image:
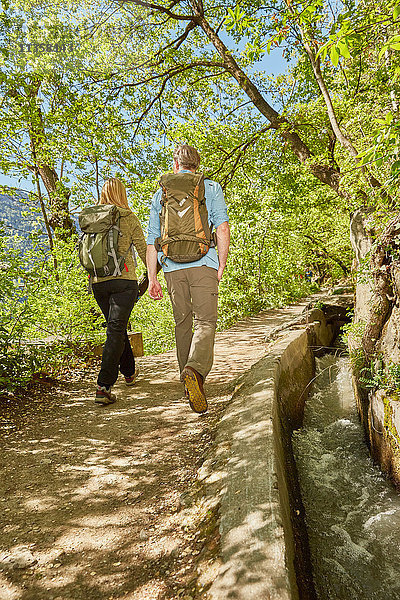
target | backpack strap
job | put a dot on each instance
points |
(112, 253)
(198, 224)
(132, 248)
(213, 234)
(92, 236)
(164, 202)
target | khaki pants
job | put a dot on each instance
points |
(194, 298)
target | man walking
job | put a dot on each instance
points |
(184, 212)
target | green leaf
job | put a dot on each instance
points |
(322, 51)
(334, 56)
(343, 49)
(382, 52)
(395, 167)
(396, 12)
(365, 159)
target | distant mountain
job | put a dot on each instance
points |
(19, 219)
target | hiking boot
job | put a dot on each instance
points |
(104, 395)
(130, 380)
(194, 391)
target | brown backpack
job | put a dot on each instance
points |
(185, 233)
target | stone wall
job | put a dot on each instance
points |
(379, 408)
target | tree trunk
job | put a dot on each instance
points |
(382, 299)
(59, 219)
(327, 174)
(47, 224)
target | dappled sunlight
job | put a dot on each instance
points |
(9, 591)
(41, 504)
(162, 546)
(89, 538)
(100, 502)
(152, 590)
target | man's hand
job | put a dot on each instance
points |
(223, 239)
(155, 290)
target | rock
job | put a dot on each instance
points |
(21, 558)
(185, 499)
(389, 344)
(177, 505)
(360, 236)
(361, 242)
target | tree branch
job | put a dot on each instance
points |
(327, 254)
(241, 149)
(324, 173)
(162, 9)
(170, 73)
(340, 136)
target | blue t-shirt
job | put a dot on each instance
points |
(217, 214)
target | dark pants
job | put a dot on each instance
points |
(116, 298)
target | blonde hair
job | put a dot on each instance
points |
(113, 192)
(187, 157)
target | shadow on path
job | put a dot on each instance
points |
(97, 502)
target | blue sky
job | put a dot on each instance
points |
(273, 63)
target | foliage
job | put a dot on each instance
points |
(377, 376)
(41, 319)
(155, 321)
(118, 104)
(353, 331)
(48, 319)
(18, 361)
(385, 148)
(63, 308)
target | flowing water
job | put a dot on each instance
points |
(352, 511)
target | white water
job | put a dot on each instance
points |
(352, 511)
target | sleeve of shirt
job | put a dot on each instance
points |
(154, 229)
(218, 209)
(138, 238)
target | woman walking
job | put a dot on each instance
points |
(116, 296)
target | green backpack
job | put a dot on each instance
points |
(98, 244)
(185, 232)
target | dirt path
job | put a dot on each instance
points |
(100, 503)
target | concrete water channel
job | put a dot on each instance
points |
(285, 537)
(352, 511)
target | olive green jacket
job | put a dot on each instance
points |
(131, 231)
